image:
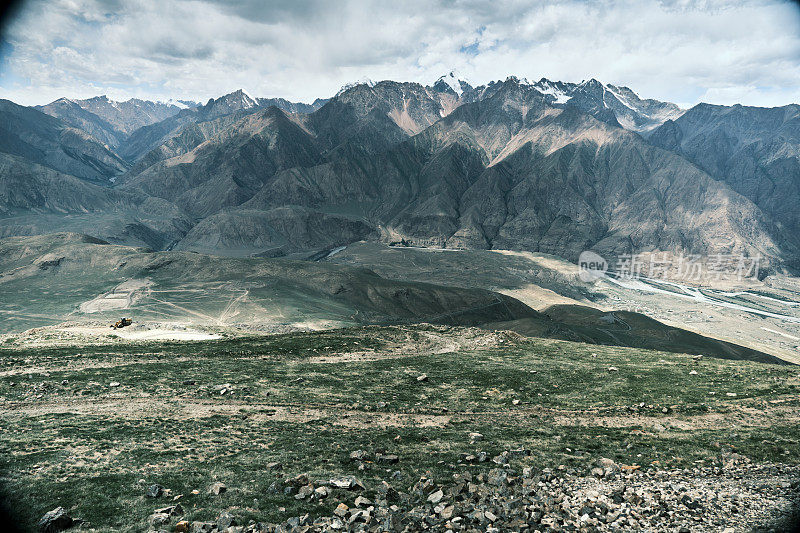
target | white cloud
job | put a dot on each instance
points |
(680, 50)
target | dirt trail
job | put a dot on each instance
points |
(738, 417)
(78, 365)
(430, 343)
(144, 407)
(181, 408)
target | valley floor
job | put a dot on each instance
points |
(513, 431)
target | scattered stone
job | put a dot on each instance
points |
(114, 384)
(217, 488)
(55, 521)
(182, 527)
(362, 501)
(304, 492)
(359, 455)
(341, 510)
(154, 491)
(346, 482)
(225, 520)
(387, 459)
(359, 515)
(158, 519)
(435, 497)
(730, 492)
(172, 510)
(422, 377)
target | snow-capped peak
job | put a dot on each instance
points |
(175, 103)
(246, 94)
(452, 80)
(243, 98)
(238, 99)
(363, 81)
(556, 90)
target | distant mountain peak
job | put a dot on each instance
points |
(591, 82)
(64, 100)
(228, 103)
(238, 96)
(453, 82)
(560, 92)
(363, 81)
(242, 93)
(180, 104)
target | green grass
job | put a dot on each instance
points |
(92, 462)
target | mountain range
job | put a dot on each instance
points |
(543, 166)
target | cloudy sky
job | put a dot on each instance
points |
(679, 50)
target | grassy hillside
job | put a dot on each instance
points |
(90, 427)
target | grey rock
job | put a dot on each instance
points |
(217, 488)
(154, 491)
(158, 519)
(54, 521)
(435, 497)
(346, 482)
(359, 455)
(225, 520)
(387, 459)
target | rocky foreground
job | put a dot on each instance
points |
(730, 496)
(396, 429)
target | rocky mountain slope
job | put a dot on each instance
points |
(238, 103)
(130, 115)
(112, 122)
(508, 171)
(35, 199)
(755, 151)
(50, 142)
(76, 116)
(618, 106)
(546, 166)
(613, 104)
